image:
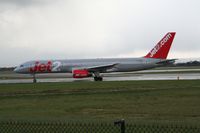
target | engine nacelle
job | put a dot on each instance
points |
(81, 73)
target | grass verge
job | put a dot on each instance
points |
(92, 101)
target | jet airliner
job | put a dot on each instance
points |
(82, 68)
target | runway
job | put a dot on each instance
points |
(107, 77)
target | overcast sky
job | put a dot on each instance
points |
(65, 29)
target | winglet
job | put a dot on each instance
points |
(161, 50)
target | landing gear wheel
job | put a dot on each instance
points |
(98, 78)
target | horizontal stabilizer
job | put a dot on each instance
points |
(165, 62)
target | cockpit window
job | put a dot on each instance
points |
(21, 65)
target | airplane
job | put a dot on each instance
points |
(82, 68)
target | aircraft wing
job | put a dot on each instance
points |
(100, 68)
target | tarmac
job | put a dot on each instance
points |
(185, 74)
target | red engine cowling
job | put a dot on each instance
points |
(81, 73)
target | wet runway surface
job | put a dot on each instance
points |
(109, 77)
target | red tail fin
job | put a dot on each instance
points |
(161, 50)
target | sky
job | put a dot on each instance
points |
(71, 29)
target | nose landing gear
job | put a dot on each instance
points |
(34, 79)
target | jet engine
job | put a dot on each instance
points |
(81, 73)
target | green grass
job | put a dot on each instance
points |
(86, 101)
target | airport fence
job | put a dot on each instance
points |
(76, 127)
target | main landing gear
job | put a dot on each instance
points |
(97, 77)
